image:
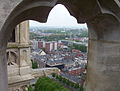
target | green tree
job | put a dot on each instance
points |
(76, 85)
(34, 64)
(30, 88)
(53, 74)
(80, 47)
(81, 88)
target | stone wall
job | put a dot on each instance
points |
(44, 72)
(103, 20)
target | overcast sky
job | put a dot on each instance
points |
(59, 16)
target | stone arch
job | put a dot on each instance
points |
(20, 12)
(102, 48)
(23, 11)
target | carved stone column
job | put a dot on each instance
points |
(24, 32)
(24, 43)
(103, 72)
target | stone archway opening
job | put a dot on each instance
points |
(74, 35)
(22, 38)
(103, 22)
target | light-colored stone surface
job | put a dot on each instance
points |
(104, 54)
(44, 72)
(103, 68)
(18, 55)
(18, 81)
(103, 19)
(24, 32)
(20, 73)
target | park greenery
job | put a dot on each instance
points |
(80, 47)
(34, 36)
(47, 84)
(54, 37)
(30, 88)
(67, 82)
(59, 34)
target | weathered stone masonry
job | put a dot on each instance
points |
(103, 20)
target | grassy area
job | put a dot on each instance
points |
(68, 82)
(46, 84)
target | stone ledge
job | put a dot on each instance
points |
(44, 72)
(18, 45)
(19, 79)
(34, 74)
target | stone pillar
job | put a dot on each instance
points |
(24, 50)
(17, 34)
(25, 62)
(103, 73)
(24, 32)
(3, 71)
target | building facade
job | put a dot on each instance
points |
(48, 46)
